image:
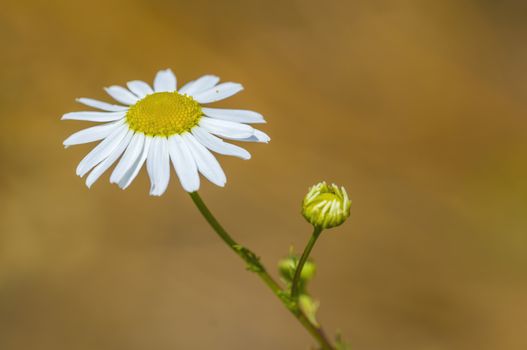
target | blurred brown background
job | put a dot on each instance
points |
(418, 107)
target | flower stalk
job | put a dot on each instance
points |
(254, 265)
(305, 255)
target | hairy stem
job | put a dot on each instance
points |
(254, 265)
(303, 259)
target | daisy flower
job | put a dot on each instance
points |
(160, 125)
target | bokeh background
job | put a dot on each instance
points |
(418, 107)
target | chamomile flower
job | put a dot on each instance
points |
(160, 125)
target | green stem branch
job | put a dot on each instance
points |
(254, 265)
(301, 263)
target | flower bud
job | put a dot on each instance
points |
(326, 206)
(287, 268)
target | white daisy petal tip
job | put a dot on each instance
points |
(165, 81)
(236, 86)
(262, 136)
(191, 187)
(66, 116)
(89, 183)
(220, 183)
(80, 99)
(156, 193)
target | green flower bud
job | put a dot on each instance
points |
(287, 268)
(326, 206)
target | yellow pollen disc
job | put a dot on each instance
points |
(164, 114)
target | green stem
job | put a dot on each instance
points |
(303, 259)
(254, 264)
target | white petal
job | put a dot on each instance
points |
(94, 116)
(217, 145)
(165, 80)
(225, 128)
(105, 164)
(150, 162)
(101, 151)
(184, 163)
(234, 115)
(137, 165)
(203, 83)
(218, 92)
(140, 88)
(95, 133)
(259, 136)
(132, 153)
(206, 162)
(101, 105)
(158, 165)
(122, 95)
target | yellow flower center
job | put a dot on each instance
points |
(164, 114)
